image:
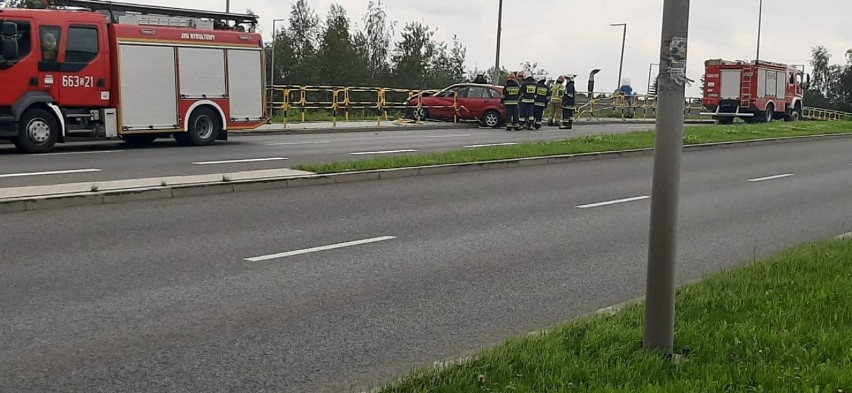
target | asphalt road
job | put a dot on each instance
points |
(189, 294)
(83, 162)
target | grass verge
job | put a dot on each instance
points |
(779, 325)
(589, 144)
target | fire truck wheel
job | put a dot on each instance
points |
(770, 113)
(38, 133)
(204, 127)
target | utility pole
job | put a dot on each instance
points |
(662, 245)
(623, 42)
(759, 25)
(496, 80)
(228, 6)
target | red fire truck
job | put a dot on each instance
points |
(118, 70)
(753, 91)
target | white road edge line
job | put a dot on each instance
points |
(625, 200)
(239, 161)
(492, 144)
(363, 153)
(297, 143)
(771, 177)
(65, 172)
(76, 152)
(317, 249)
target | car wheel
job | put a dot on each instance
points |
(491, 119)
(420, 113)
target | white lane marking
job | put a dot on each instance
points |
(297, 143)
(625, 200)
(383, 152)
(492, 144)
(321, 248)
(239, 161)
(70, 171)
(76, 152)
(447, 136)
(771, 177)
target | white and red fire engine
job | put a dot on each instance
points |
(753, 91)
(118, 70)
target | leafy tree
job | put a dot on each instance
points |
(34, 4)
(376, 41)
(337, 52)
(412, 55)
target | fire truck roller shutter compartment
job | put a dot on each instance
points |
(730, 85)
(202, 72)
(781, 80)
(245, 81)
(148, 87)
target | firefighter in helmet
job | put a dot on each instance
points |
(542, 98)
(511, 99)
(528, 90)
(569, 102)
(555, 108)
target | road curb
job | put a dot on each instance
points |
(16, 205)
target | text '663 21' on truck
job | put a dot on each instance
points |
(757, 91)
(119, 70)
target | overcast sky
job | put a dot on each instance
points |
(572, 36)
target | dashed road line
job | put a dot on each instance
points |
(364, 153)
(297, 143)
(318, 249)
(240, 161)
(63, 172)
(617, 201)
(76, 153)
(774, 177)
(491, 145)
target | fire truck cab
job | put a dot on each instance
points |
(753, 91)
(137, 73)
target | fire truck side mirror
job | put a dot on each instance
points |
(10, 43)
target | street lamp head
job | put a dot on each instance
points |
(618, 24)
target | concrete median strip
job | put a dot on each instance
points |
(21, 199)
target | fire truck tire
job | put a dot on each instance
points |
(794, 115)
(769, 116)
(204, 128)
(38, 133)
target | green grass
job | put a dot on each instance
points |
(588, 144)
(779, 325)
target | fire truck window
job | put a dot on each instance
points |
(24, 38)
(82, 45)
(50, 40)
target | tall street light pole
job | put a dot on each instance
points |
(228, 6)
(623, 42)
(662, 244)
(759, 25)
(499, 33)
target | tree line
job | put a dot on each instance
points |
(831, 85)
(336, 53)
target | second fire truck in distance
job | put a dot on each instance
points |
(753, 91)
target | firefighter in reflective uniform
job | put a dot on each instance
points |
(556, 93)
(569, 102)
(528, 89)
(542, 98)
(511, 99)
